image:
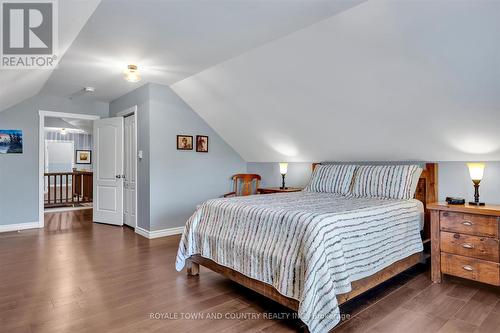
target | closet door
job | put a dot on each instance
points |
(129, 204)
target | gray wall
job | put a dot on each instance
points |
(297, 176)
(19, 173)
(180, 180)
(184, 179)
(454, 178)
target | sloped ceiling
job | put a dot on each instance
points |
(18, 85)
(172, 40)
(385, 80)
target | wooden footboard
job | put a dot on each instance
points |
(358, 287)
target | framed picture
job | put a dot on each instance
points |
(83, 157)
(11, 141)
(184, 142)
(202, 143)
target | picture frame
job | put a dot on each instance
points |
(202, 143)
(83, 157)
(184, 142)
(11, 141)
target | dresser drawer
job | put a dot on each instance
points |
(484, 248)
(470, 224)
(470, 268)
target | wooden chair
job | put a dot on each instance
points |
(245, 184)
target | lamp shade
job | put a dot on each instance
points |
(283, 168)
(476, 170)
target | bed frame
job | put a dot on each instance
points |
(426, 192)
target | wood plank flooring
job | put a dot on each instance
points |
(76, 276)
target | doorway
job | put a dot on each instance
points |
(114, 167)
(61, 140)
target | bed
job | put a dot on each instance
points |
(311, 251)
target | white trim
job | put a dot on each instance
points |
(159, 233)
(68, 115)
(41, 152)
(19, 226)
(129, 112)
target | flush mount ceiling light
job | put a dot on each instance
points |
(131, 74)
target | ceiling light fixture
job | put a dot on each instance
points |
(131, 74)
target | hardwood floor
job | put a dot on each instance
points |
(76, 276)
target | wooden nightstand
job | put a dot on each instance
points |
(278, 190)
(465, 242)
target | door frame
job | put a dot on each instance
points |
(129, 112)
(41, 153)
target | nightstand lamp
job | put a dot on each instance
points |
(476, 171)
(283, 171)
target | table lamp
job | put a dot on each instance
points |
(283, 171)
(476, 171)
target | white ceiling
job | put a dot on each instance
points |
(385, 80)
(298, 80)
(172, 40)
(18, 85)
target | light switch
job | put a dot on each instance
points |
(139, 154)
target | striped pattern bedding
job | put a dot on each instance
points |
(310, 246)
(331, 178)
(386, 181)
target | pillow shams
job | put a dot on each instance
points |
(386, 181)
(331, 178)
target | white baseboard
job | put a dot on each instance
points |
(159, 233)
(19, 226)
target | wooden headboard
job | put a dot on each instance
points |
(427, 192)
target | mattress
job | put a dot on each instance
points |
(310, 246)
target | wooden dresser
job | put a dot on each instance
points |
(465, 242)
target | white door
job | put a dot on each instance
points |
(129, 188)
(108, 171)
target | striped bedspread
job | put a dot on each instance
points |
(310, 246)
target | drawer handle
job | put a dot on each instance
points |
(467, 223)
(467, 246)
(468, 268)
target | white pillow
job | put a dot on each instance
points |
(386, 181)
(331, 178)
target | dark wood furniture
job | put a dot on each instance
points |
(271, 190)
(465, 242)
(244, 184)
(426, 192)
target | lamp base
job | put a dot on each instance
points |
(283, 188)
(473, 203)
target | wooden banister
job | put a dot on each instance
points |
(79, 190)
